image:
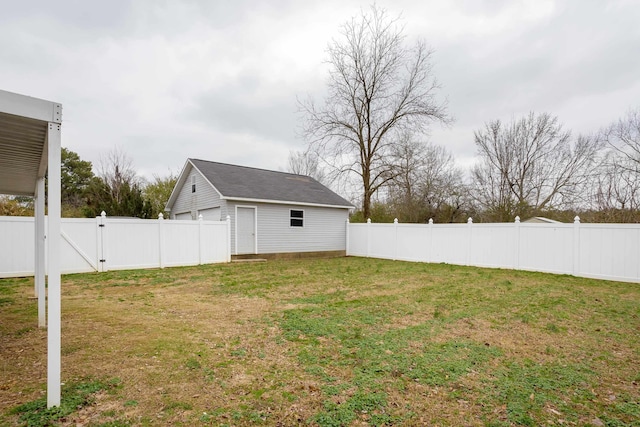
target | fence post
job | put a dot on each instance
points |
(395, 239)
(161, 239)
(517, 244)
(576, 246)
(103, 248)
(200, 239)
(346, 239)
(429, 256)
(368, 237)
(228, 238)
(469, 227)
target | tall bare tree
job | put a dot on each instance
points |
(530, 165)
(617, 187)
(623, 136)
(117, 189)
(616, 193)
(427, 184)
(306, 163)
(378, 89)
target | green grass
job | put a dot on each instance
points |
(335, 342)
(74, 396)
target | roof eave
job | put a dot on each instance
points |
(286, 202)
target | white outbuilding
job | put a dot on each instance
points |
(29, 149)
(271, 212)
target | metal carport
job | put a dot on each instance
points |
(29, 147)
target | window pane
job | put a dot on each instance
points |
(297, 214)
(295, 222)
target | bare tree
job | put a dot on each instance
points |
(306, 163)
(378, 88)
(117, 188)
(116, 171)
(616, 191)
(617, 186)
(530, 165)
(624, 137)
(427, 184)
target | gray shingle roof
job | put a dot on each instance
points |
(250, 183)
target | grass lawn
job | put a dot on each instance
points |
(339, 342)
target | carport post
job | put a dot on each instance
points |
(53, 278)
(39, 242)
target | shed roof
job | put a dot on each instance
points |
(23, 148)
(247, 183)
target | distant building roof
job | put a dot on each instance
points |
(541, 220)
(241, 182)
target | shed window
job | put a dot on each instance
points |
(193, 183)
(297, 218)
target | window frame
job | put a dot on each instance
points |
(293, 218)
(193, 183)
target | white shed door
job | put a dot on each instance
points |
(246, 231)
(212, 214)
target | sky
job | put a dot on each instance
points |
(163, 81)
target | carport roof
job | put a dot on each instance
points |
(23, 141)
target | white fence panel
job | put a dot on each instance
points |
(131, 244)
(413, 242)
(357, 239)
(121, 244)
(17, 236)
(547, 247)
(493, 245)
(610, 251)
(215, 244)
(604, 251)
(450, 243)
(382, 242)
(181, 244)
(78, 246)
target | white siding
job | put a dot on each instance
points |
(205, 197)
(211, 214)
(324, 228)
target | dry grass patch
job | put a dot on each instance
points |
(332, 342)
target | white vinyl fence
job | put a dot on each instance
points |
(603, 251)
(104, 243)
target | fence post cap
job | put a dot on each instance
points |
(517, 219)
(395, 220)
(348, 221)
(160, 216)
(103, 214)
(470, 220)
(200, 217)
(576, 220)
(228, 217)
(368, 220)
(430, 220)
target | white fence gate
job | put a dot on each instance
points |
(602, 251)
(104, 243)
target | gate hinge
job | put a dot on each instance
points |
(100, 225)
(103, 260)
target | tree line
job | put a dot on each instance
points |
(115, 187)
(370, 133)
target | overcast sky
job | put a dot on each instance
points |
(218, 80)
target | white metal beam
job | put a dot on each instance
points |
(39, 255)
(33, 108)
(53, 278)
